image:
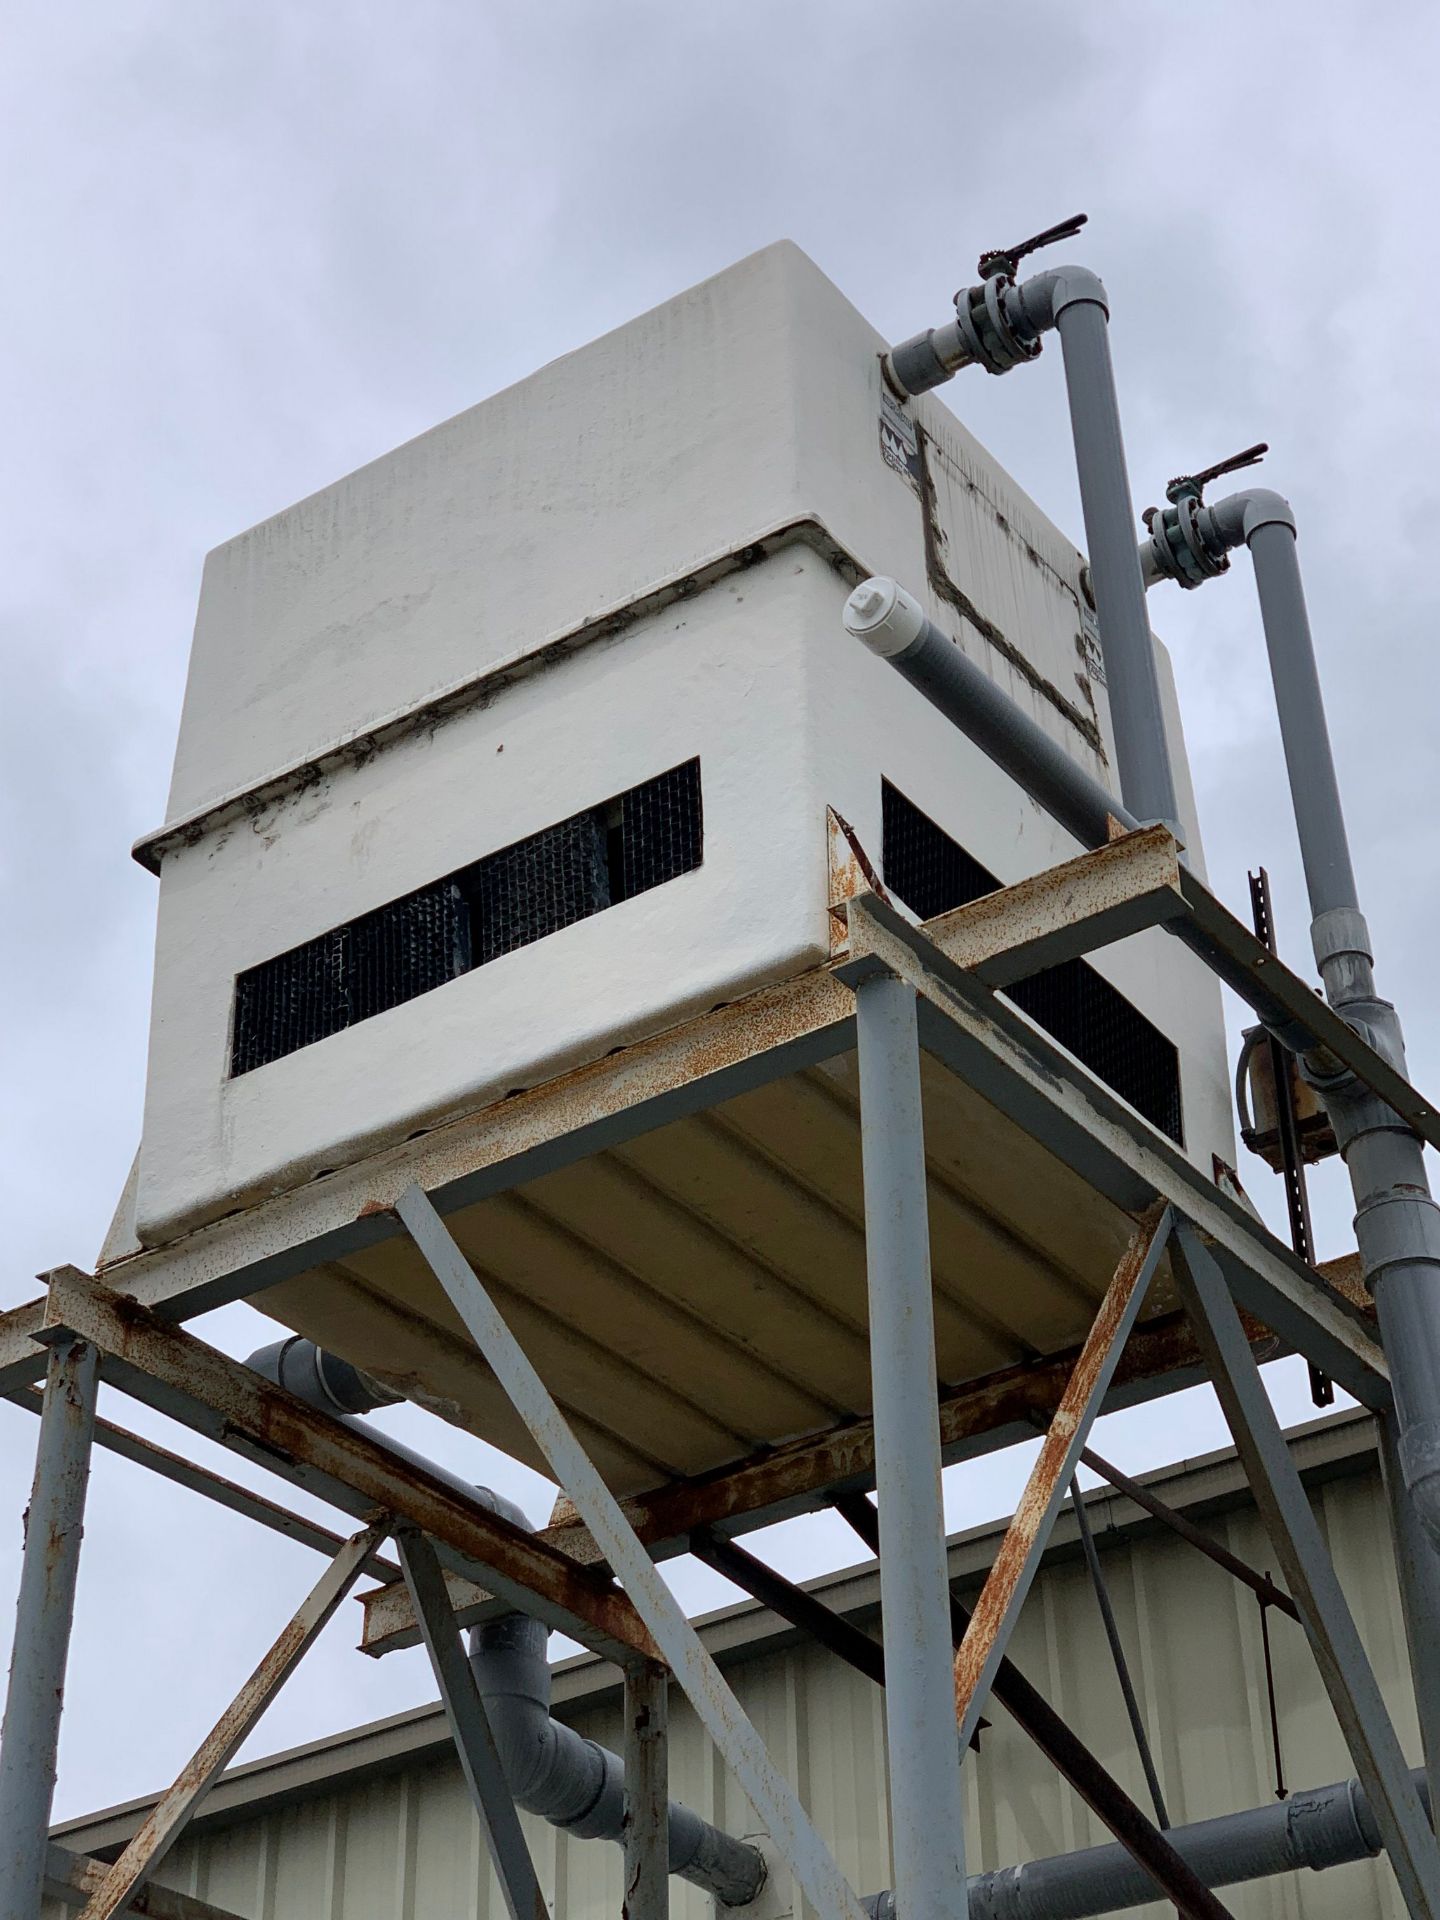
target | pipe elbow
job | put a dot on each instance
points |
(1241, 515)
(1046, 295)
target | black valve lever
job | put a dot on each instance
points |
(1193, 485)
(1006, 260)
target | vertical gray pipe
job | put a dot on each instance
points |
(1417, 1567)
(926, 1817)
(1397, 1224)
(54, 1523)
(1319, 816)
(1142, 750)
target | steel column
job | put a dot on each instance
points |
(166, 1820)
(647, 1793)
(1300, 1548)
(54, 1523)
(1417, 1566)
(926, 1805)
(470, 1729)
(771, 1795)
(1016, 1563)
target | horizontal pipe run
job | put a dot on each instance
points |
(1324, 1827)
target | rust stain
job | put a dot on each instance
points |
(1010, 1561)
(952, 594)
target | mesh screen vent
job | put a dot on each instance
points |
(932, 873)
(627, 845)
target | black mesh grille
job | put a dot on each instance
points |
(661, 826)
(637, 840)
(931, 873)
(538, 886)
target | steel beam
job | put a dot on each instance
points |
(1071, 1758)
(1300, 1548)
(926, 1806)
(470, 1729)
(1018, 1557)
(337, 1460)
(1034, 1083)
(71, 1878)
(54, 1523)
(770, 1793)
(214, 1487)
(647, 1794)
(166, 1820)
(792, 1603)
(975, 1419)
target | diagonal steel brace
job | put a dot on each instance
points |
(978, 1657)
(1310, 1575)
(166, 1820)
(769, 1792)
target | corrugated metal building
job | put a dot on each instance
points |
(376, 1824)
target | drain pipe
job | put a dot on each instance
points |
(1325, 1827)
(1397, 1224)
(997, 325)
(574, 1783)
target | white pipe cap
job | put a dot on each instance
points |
(884, 616)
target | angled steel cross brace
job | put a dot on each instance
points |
(166, 1820)
(470, 1729)
(1300, 1548)
(1018, 1558)
(71, 1878)
(772, 1796)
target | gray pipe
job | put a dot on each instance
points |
(1074, 302)
(1325, 1827)
(999, 325)
(552, 1771)
(892, 623)
(1397, 1224)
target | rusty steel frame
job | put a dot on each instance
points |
(167, 1819)
(950, 971)
(172, 1371)
(1017, 1559)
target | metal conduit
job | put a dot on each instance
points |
(574, 1783)
(1324, 1827)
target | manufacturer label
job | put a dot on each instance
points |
(898, 442)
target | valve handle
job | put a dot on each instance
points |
(1194, 484)
(1005, 260)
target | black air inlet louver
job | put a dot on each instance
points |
(637, 840)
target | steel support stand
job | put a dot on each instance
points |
(1417, 1567)
(54, 1522)
(1300, 1548)
(647, 1794)
(1017, 1561)
(470, 1729)
(166, 1820)
(926, 1804)
(769, 1792)
(1117, 1654)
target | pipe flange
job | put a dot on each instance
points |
(1178, 544)
(991, 321)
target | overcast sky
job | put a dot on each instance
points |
(249, 246)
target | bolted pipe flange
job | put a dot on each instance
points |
(1183, 546)
(994, 326)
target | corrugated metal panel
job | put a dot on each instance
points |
(405, 1845)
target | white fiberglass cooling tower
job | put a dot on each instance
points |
(518, 744)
